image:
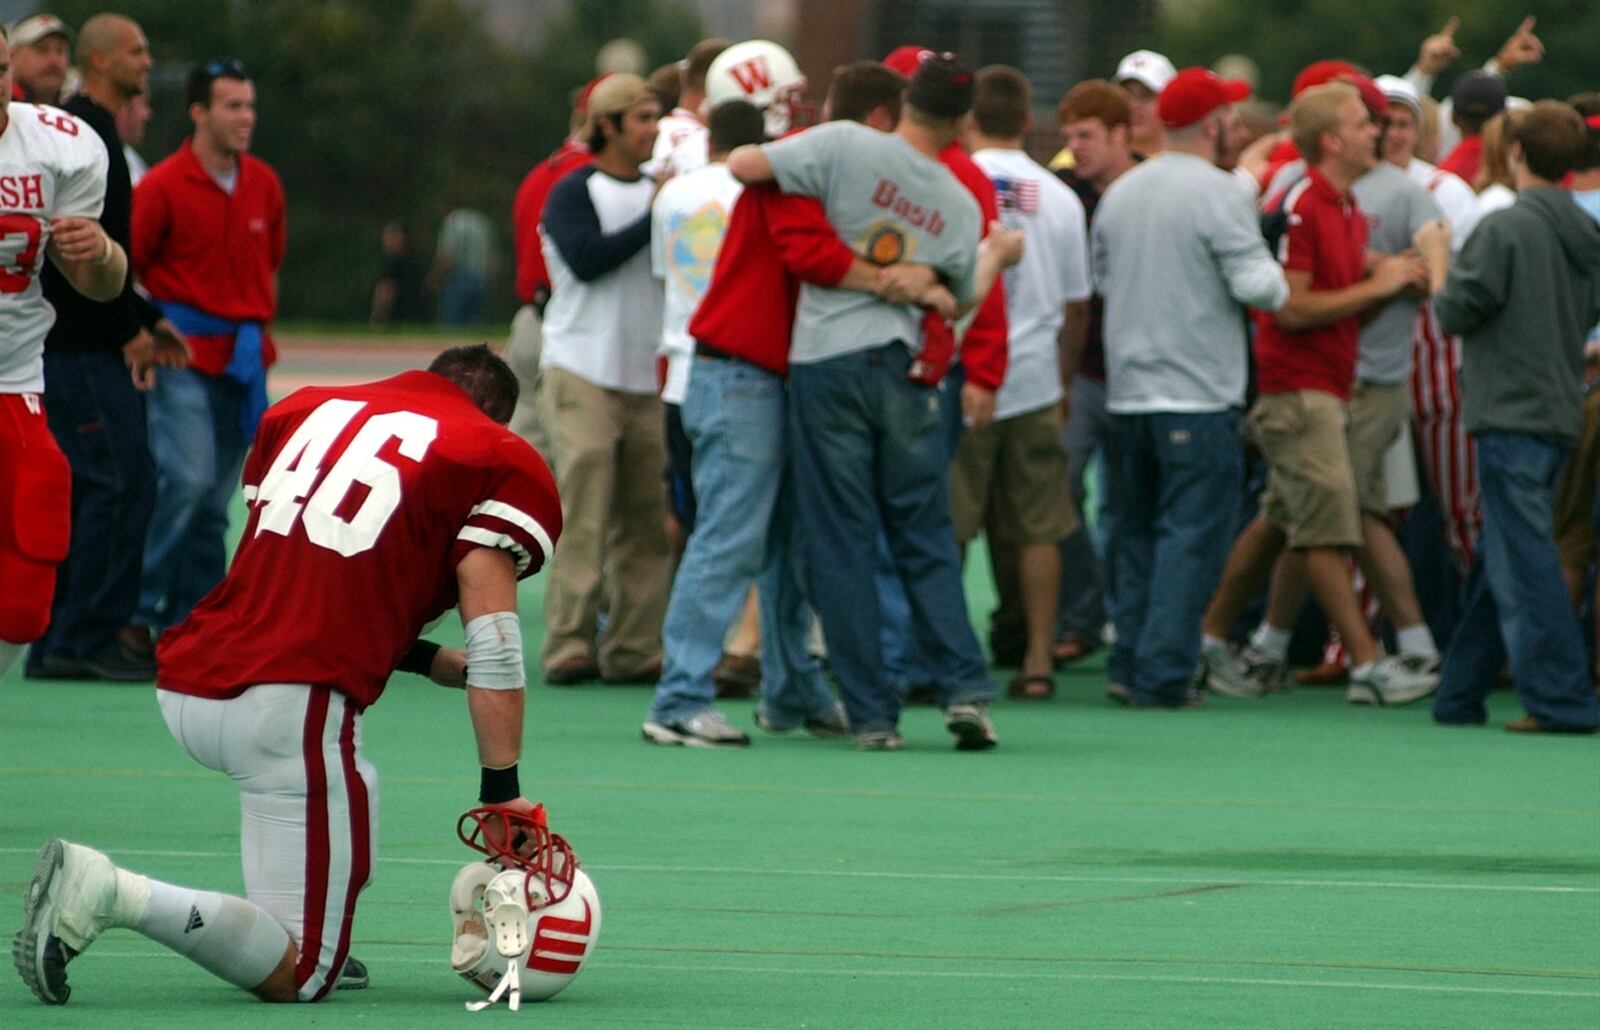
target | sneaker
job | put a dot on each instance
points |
(832, 725)
(1118, 693)
(880, 740)
(969, 723)
(1394, 680)
(67, 905)
(1242, 672)
(353, 977)
(709, 728)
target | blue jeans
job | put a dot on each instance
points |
(1083, 588)
(98, 419)
(1176, 481)
(900, 654)
(733, 416)
(869, 453)
(199, 448)
(1516, 603)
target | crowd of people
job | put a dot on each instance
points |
(1295, 352)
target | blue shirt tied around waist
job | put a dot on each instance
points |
(248, 365)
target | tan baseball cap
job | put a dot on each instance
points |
(616, 93)
(32, 29)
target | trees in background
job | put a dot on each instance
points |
(382, 110)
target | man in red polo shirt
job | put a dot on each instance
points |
(1306, 363)
(533, 278)
(208, 237)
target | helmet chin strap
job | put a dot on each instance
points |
(506, 918)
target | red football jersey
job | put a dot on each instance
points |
(363, 499)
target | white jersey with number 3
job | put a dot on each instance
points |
(51, 166)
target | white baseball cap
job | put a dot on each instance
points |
(1148, 67)
(1399, 91)
(31, 30)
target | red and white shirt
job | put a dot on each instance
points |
(51, 166)
(362, 502)
(1327, 237)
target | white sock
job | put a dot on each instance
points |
(224, 935)
(1271, 641)
(1209, 642)
(1418, 640)
(8, 656)
(1361, 672)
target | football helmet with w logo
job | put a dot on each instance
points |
(525, 918)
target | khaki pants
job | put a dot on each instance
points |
(523, 348)
(1377, 412)
(1311, 489)
(607, 452)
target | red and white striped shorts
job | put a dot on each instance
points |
(308, 808)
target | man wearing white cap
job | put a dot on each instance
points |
(41, 48)
(1144, 74)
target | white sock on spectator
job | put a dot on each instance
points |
(1417, 640)
(1209, 642)
(1361, 672)
(1271, 641)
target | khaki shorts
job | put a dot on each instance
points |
(1020, 466)
(1376, 415)
(1311, 490)
(1575, 496)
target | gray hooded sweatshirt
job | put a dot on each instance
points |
(1523, 294)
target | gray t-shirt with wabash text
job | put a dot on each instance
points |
(888, 202)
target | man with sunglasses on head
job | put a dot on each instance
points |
(208, 238)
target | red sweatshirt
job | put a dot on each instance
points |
(532, 276)
(983, 350)
(774, 240)
(199, 246)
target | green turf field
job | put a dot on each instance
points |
(1281, 863)
(1284, 863)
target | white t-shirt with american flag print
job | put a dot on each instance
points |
(1054, 272)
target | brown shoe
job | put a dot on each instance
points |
(571, 671)
(1328, 674)
(1529, 724)
(648, 675)
(737, 675)
(137, 642)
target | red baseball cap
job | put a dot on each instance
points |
(1320, 73)
(581, 101)
(905, 59)
(1194, 93)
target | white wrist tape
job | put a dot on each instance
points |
(494, 652)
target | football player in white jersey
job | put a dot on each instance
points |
(52, 186)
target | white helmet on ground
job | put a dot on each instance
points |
(523, 923)
(766, 75)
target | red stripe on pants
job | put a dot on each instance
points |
(316, 899)
(360, 844)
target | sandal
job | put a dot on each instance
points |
(1072, 646)
(1032, 688)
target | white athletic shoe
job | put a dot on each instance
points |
(1241, 672)
(709, 728)
(1395, 680)
(69, 903)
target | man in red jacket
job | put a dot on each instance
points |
(208, 237)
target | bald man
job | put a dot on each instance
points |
(98, 359)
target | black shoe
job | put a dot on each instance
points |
(114, 667)
(353, 977)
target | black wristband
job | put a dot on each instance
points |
(419, 659)
(498, 786)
